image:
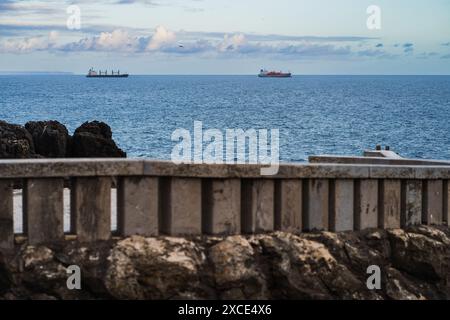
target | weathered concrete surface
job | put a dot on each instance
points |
(44, 210)
(18, 210)
(138, 205)
(222, 206)
(90, 206)
(391, 198)
(415, 264)
(375, 160)
(382, 153)
(239, 170)
(258, 206)
(42, 168)
(317, 197)
(343, 206)
(288, 201)
(181, 201)
(21, 168)
(434, 204)
(6, 214)
(366, 204)
(413, 203)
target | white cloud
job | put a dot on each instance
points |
(164, 41)
(232, 43)
(160, 38)
(29, 44)
(116, 40)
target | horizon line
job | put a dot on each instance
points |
(63, 73)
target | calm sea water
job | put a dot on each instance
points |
(315, 114)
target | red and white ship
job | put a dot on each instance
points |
(273, 74)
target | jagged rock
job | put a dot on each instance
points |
(15, 142)
(94, 139)
(51, 138)
(399, 287)
(421, 255)
(152, 268)
(305, 269)
(236, 276)
(5, 276)
(414, 263)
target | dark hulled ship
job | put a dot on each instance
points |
(104, 74)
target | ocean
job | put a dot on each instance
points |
(340, 115)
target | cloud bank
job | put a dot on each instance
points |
(165, 41)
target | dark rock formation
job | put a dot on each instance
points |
(94, 139)
(51, 139)
(415, 264)
(15, 142)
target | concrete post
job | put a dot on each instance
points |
(137, 206)
(342, 205)
(366, 204)
(43, 210)
(6, 215)
(91, 208)
(316, 217)
(433, 209)
(389, 217)
(221, 206)
(413, 203)
(288, 205)
(181, 206)
(447, 207)
(258, 209)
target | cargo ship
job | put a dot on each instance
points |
(273, 74)
(104, 74)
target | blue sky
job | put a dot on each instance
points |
(226, 37)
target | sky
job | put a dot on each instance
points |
(226, 36)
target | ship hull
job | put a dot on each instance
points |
(284, 75)
(108, 76)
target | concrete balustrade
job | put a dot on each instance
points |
(158, 197)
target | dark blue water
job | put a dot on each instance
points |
(315, 114)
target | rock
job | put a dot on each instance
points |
(236, 276)
(15, 142)
(422, 256)
(152, 268)
(5, 276)
(414, 264)
(94, 139)
(51, 138)
(398, 287)
(305, 269)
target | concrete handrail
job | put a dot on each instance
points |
(160, 197)
(48, 168)
(369, 160)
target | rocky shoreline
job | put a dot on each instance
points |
(51, 139)
(414, 263)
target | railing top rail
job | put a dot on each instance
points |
(42, 168)
(376, 160)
